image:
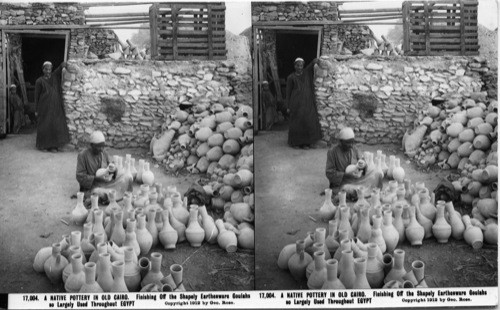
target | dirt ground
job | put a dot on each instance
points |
(289, 182)
(36, 190)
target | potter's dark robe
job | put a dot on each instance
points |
(304, 127)
(52, 128)
(87, 165)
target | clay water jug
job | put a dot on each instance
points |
(346, 267)
(342, 201)
(455, 220)
(398, 173)
(389, 232)
(364, 228)
(131, 273)
(332, 281)
(398, 222)
(168, 236)
(101, 247)
(378, 166)
(330, 241)
(414, 231)
(127, 207)
(424, 221)
(194, 232)
(131, 237)
(388, 261)
(128, 170)
(103, 271)
(94, 205)
(226, 239)
(176, 273)
(112, 203)
(140, 170)
(418, 268)
(318, 275)
(375, 198)
(491, 232)
(75, 240)
(153, 200)
(133, 169)
(90, 285)
(76, 278)
(69, 267)
(55, 264)
(374, 268)
(320, 237)
(155, 274)
(79, 213)
(344, 221)
(246, 236)
(400, 197)
(118, 271)
(389, 194)
(327, 210)
(385, 168)
(427, 208)
(299, 261)
(398, 269)
(118, 232)
(376, 233)
(286, 252)
(98, 224)
(144, 266)
(176, 224)
(473, 235)
(345, 244)
(441, 229)
(151, 226)
(208, 225)
(144, 237)
(178, 210)
(392, 164)
(316, 247)
(360, 282)
(41, 257)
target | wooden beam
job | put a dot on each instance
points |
(346, 21)
(3, 88)
(153, 15)
(370, 11)
(346, 16)
(117, 24)
(175, 30)
(117, 20)
(427, 40)
(406, 27)
(87, 16)
(118, 3)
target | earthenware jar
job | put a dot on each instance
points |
(342, 199)
(118, 270)
(376, 233)
(392, 164)
(176, 272)
(103, 271)
(151, 226)
(298, 262)
(331, 241)
(387, 260)
(76, 278)
(374, 267)
(168, 235)
(94, 205)
(144, 237)
(176, 224)
(69, 267)
(424, 221)
(385, 168)
(131, 274)
(427, 208)
(118, 232)
(346, 267)
(441, 229)
(147, 176)
(398, 173)
(131, 237)
(127, 207)
(414, 231)
(98, 224)
(101, 247)
(226, 239)
(345, 244)
(316, 247)
(153, 201)
(320, 237)
(178, 210)
(455, 220)
(389, 232)
(112, 203)
(41, 257)
(332, 281)
(360, 282)
(55, 264)
(327, 210)
(398, 222)
(155, 274)
(364, 227)
(90, 285)
(318, 275)
(79, 213)
(208, 224)
(389, 194)
(344, 221)
(473, 235)
(194, 232)
(76, 239)
(398, 269)
(418, 268)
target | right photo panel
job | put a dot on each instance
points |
(376, 147)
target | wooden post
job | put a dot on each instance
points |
(406, 27)
(255, 78)
(427, 26)
(462, 28)
(210, 32)
(175, 29)
(3, 87)
(153, 30)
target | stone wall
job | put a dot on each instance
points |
(381, 97)
(130, 101)
(294, 11)
(101, 41)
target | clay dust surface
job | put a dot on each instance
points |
(35, 193)
(288, 183)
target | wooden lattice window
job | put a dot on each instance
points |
(183, 31)
(445, 27)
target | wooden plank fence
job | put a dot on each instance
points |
(443, 27)
(183, 31)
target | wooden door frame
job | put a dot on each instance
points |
(256, 74)
(5, 78)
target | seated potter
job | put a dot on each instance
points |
(345, 167)
(96, 173)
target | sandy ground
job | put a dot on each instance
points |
(289, 182)
(36, 190)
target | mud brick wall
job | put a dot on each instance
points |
(380, 98)
(129, 101)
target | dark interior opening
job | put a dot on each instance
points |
(35, 51)
(291, 45)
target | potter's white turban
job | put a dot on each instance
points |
(47, 63)
(298, 59)
(346, 134)
(13, 86)
(97, 137)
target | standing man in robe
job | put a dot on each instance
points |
(16, 109)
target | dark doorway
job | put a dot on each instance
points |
(290, 45)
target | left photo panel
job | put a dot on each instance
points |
(126, 147)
